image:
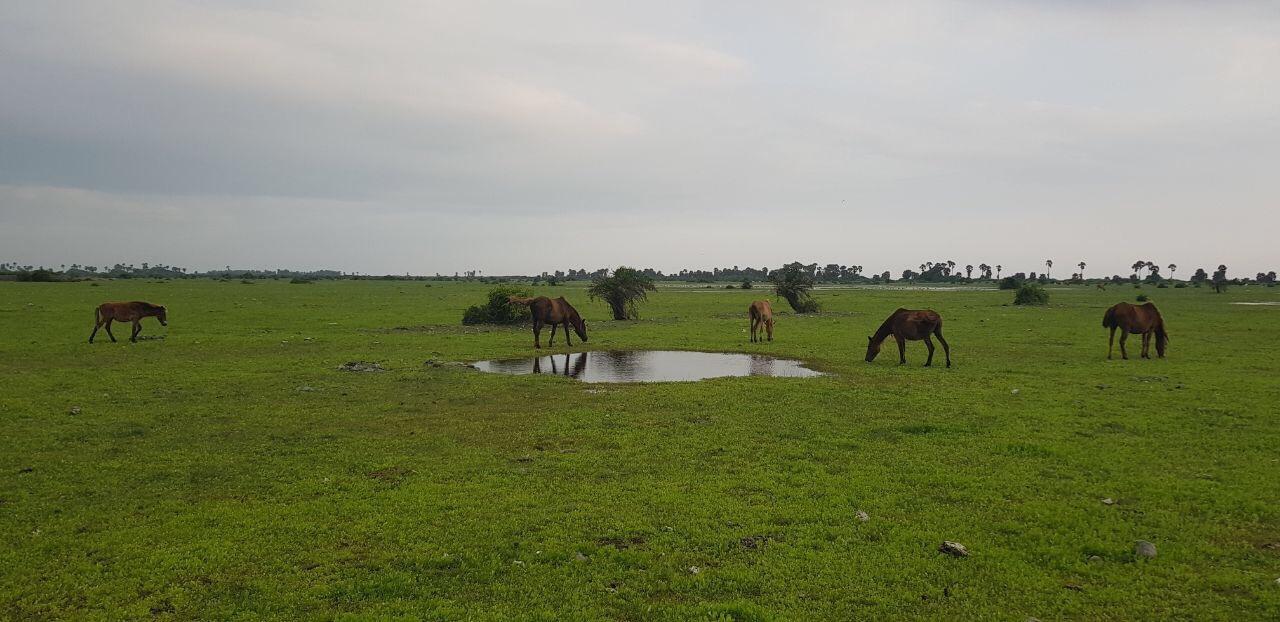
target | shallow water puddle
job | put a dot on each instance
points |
(1258, 304)
(649, 366)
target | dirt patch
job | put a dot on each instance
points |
(390, 475)
(754, 543)
(363, 366)
(622, 544)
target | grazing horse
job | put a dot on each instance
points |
(905, 324)
(109, 312)
(1144, 320)
(555, 312)
(761, 315)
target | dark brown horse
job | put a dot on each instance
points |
(555, 312)
(1144, 320)
(906, 324)
(109, 312)
(761, 315)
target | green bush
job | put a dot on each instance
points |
(1143, 298)
(794, 283)
(1179, 285)
(1009, 282)
(1162, 285)
(1031, 294)
(622, 291)
(300, 281)
(498, 310)
(746, 285)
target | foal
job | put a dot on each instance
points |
(109, 312)
(905, 324)
(761, 315)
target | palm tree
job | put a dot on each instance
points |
(622, 291)
(1172, 268)
(998, 269)
(794, 283)
(1081, 265)
(968, 271)
(922, 268)
(1048, 264)
(1138, 266)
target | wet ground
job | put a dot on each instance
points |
(649, 366)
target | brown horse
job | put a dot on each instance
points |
(1144, 320)
(905, 324)
(109, 312)
(761, 315)
(555, 312)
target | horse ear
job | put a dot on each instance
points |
(869, 338)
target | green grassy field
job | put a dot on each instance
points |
(230, 470)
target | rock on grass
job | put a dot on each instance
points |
(953, 548)
(1145, 549)
(361, 366)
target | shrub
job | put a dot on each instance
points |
(731, 286)
(300, 281)
(1143, 298)
(1179, 285)
(794, 283)
(622, 291)
(1031, 294)
(1010, 282)
(498, 310)
(1162, 285)
(746, 285)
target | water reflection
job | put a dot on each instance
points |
(649, 366)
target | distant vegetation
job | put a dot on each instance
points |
(622, 291)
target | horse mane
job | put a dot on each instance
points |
(887, 326)
(148, 306)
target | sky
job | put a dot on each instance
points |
(516, 137)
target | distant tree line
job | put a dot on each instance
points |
(938, 271)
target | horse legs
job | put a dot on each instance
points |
(1124, 336)
(537, 331)
(137, 328)
(928, 343)
(568, 341)
(1146, 345)
(946, 349)
(768, 327)
(552, 341)
(109, 333)
(902, 349)
(753, 329)
(95, 330)
(1111, 344)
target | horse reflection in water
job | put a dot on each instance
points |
(573, 365)
(761, 366)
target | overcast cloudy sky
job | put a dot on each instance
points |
(516, 137)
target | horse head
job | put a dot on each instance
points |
(873, 348)
(162, 316)
(580, 327)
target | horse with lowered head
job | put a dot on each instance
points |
(906, 324)
(109, 312)
(761, 315)
(1144, 320)
(555, 312)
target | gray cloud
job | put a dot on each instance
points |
(403, 136)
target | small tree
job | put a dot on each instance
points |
(1081, 264)
(794, 283)
(1220, 279)
(746, 285)
(1048, 265)
(622, 291)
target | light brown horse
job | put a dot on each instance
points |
(906, 324)
(109, 312)
(555, 312)
(1144, 320)
(761, 315)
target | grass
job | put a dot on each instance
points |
(230, 470)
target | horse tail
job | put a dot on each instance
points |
(519, 300)
(1109, 319)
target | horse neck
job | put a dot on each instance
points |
(884, 331)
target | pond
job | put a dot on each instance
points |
(649, 366)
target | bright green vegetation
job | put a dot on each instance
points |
(230, 470)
